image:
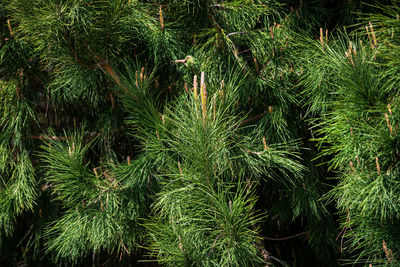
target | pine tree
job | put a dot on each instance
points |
(198, 133)
(352, 90)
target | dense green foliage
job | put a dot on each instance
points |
(199, 133)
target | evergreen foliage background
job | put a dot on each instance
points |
(199, 133)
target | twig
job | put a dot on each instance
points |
(264, 253)
(278, 260)
(42, 137)
(213, 245)
(245, 51)
(252, 119)
(392, 164)
(283, 238)
(261, 245)
(235, 33)
(256, 153)
(184, 61)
